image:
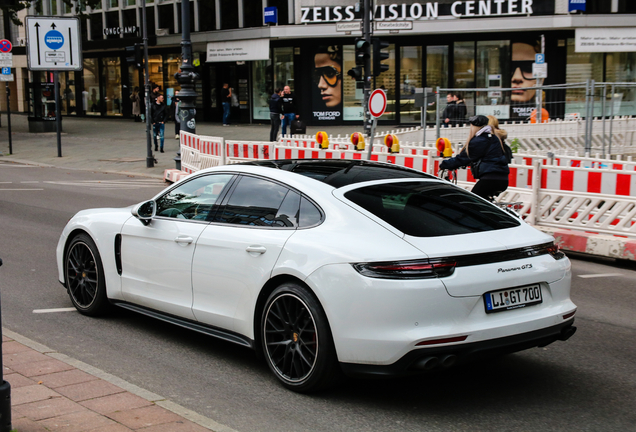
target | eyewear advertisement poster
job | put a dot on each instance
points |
(523, 102)
(327, 84)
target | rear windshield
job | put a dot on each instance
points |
(430, 209)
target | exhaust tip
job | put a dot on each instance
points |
(567, 333)
(427, 363)
(448, 361)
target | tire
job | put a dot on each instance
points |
(84, 276)
(296, 340)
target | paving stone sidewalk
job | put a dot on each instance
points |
(49, 393)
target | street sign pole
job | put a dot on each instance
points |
(58, 113)
(9, 117)
(376, 107)
(150, 159)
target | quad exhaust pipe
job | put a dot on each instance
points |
(567, 333)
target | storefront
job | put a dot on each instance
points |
(459, 45)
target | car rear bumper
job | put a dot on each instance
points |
(425, 359)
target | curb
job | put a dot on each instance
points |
(594, 244)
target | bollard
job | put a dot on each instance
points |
(5, 392)
(177, 161)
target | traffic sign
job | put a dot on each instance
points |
(377, 103)
(6, 60)
(6, 78)
(6, 71)
(5, 46)
(54, 43)
(539, 58)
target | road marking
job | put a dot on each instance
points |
(3, 189)
(30, 181)
(39, 311)
(589, 276)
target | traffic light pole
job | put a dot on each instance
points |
(366, 35)
(150, 159)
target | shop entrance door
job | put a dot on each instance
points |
(237, 77)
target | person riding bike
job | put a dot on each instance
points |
(484, 153)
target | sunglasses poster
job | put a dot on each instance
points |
(523, 102)
(327, 84)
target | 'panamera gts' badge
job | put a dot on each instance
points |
(506, 270)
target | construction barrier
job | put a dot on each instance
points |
(249, 150)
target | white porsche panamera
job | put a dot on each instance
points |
(326, 266)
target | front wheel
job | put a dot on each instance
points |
(297, 341)
(84, 276)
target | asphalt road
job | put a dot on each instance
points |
(585, 384)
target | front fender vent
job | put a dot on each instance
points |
(118, 253)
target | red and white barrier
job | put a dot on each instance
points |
(249, 150)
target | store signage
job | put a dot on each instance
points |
(271, 15)
(240, 50)
(605, 39)
(108, 31)
(577, 5)
(349, 26)
(498, 111)
(419, 11)
(6, 78)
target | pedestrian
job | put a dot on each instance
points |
(136, 104)
(462, 111)
(156, 89)
(159, 117)
(484, 153)
(226, 98)
(176, 103)
(275, 113)
(289, 108)
(450, 112)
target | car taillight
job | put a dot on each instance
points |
(413, 269)
(555, 251)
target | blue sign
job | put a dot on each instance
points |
(6, 71)
(271, 15)
(539, 58)
(577, 5)
(54, 40)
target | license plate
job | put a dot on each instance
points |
(512, 298)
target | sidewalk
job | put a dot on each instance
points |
(53, 392)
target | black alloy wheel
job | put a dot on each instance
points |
(297, 341)
(84, 276)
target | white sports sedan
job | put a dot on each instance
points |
(326, 266)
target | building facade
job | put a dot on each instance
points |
(466, 44)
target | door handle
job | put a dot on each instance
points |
(184, 240)
(256, 249)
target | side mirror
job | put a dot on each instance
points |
(144, 211)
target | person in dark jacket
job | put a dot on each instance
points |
(450, 112)
(484, 153)
(289, 108)
(275, 113)
(159, 113)
(461, 110)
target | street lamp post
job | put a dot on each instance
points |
(150, 159)
(186, 77)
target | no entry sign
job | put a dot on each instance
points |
(377, 103)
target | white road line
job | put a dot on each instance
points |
(3, 189)
(30, 181)
(6, 182)
(589, 276)
(39, 311)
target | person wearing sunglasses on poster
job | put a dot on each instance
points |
(522, 60)
(328, 74)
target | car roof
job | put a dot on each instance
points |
(339, 173)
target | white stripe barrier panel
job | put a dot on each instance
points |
(190, 140)
(209, 161)
(190, 160)
(211, 146)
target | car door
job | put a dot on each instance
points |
(235, 254)
(157, 258)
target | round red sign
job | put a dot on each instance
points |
(377, 103)
(5, 46)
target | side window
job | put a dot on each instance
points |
(260, 202)
(195, 199)
(309, 214)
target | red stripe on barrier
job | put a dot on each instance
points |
(567, 180)
(436, 168)
(594, 182)
(301, 154)
(328, 155)
(357, 156)
(470, 178)
(617, 166)
(315, 155)
(288, 154)
(623, 184)
(390, 159)
(374, 157)
(512, 177)
(408, 162)
(575, 163)
(544, 178)
(528, 161)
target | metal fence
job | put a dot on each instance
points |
(588, 116)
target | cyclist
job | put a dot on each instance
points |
(484, 153)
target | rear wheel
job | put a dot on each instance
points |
(297, 341)
(84, 276)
